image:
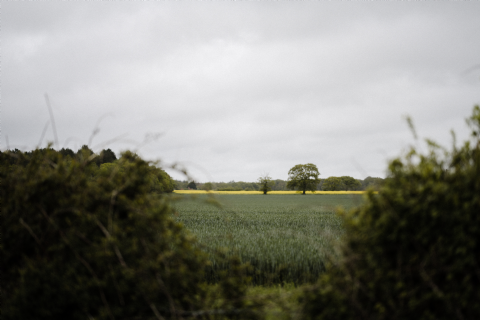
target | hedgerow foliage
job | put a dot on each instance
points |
(82, 242)
(412, 251)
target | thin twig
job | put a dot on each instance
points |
(23, 223)
(52, 119)
(169, 297)
(107, 234)
(119, 293)
(155, 311)
(105, 143)
(81, 236)
(110, 210)
(43, 134)
(96, 129)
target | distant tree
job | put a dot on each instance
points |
(207, 186)
(241, 185)
(344, 183)
(265, 183)
(350, 184)
(67, 152)
(84, 152)
(279, 185)
(180, 185)
(253, 186)
(332, 184)
(107, 156)
(192, 185)
(303, 177)
(320, 184)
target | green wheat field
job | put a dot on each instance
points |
(286, 238)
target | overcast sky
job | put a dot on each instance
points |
(234, 90)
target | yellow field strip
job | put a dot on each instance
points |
(270, 192)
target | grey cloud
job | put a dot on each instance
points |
(240, 88)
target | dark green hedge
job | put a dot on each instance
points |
(80, 242)
(413, 250)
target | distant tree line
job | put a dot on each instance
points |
(217, 186)
(344, 183)
(105, 156)
(347, 183)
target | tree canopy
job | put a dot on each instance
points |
(192, 185)
(207, 186)
(332, 184)
(344, 183)
(303, 177)
(265, 183)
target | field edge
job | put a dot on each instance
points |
(269, 193)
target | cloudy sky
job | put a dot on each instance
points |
(233, 90)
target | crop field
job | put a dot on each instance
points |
(260, 192)
(284, 237)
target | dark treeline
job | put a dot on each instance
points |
(105, 160)
(344, 183)
(105, 156)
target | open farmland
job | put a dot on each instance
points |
(284, 237)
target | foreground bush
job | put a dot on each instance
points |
(412, 251)
(77, 245)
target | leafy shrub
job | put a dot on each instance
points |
(78, 244)
(412, 251)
